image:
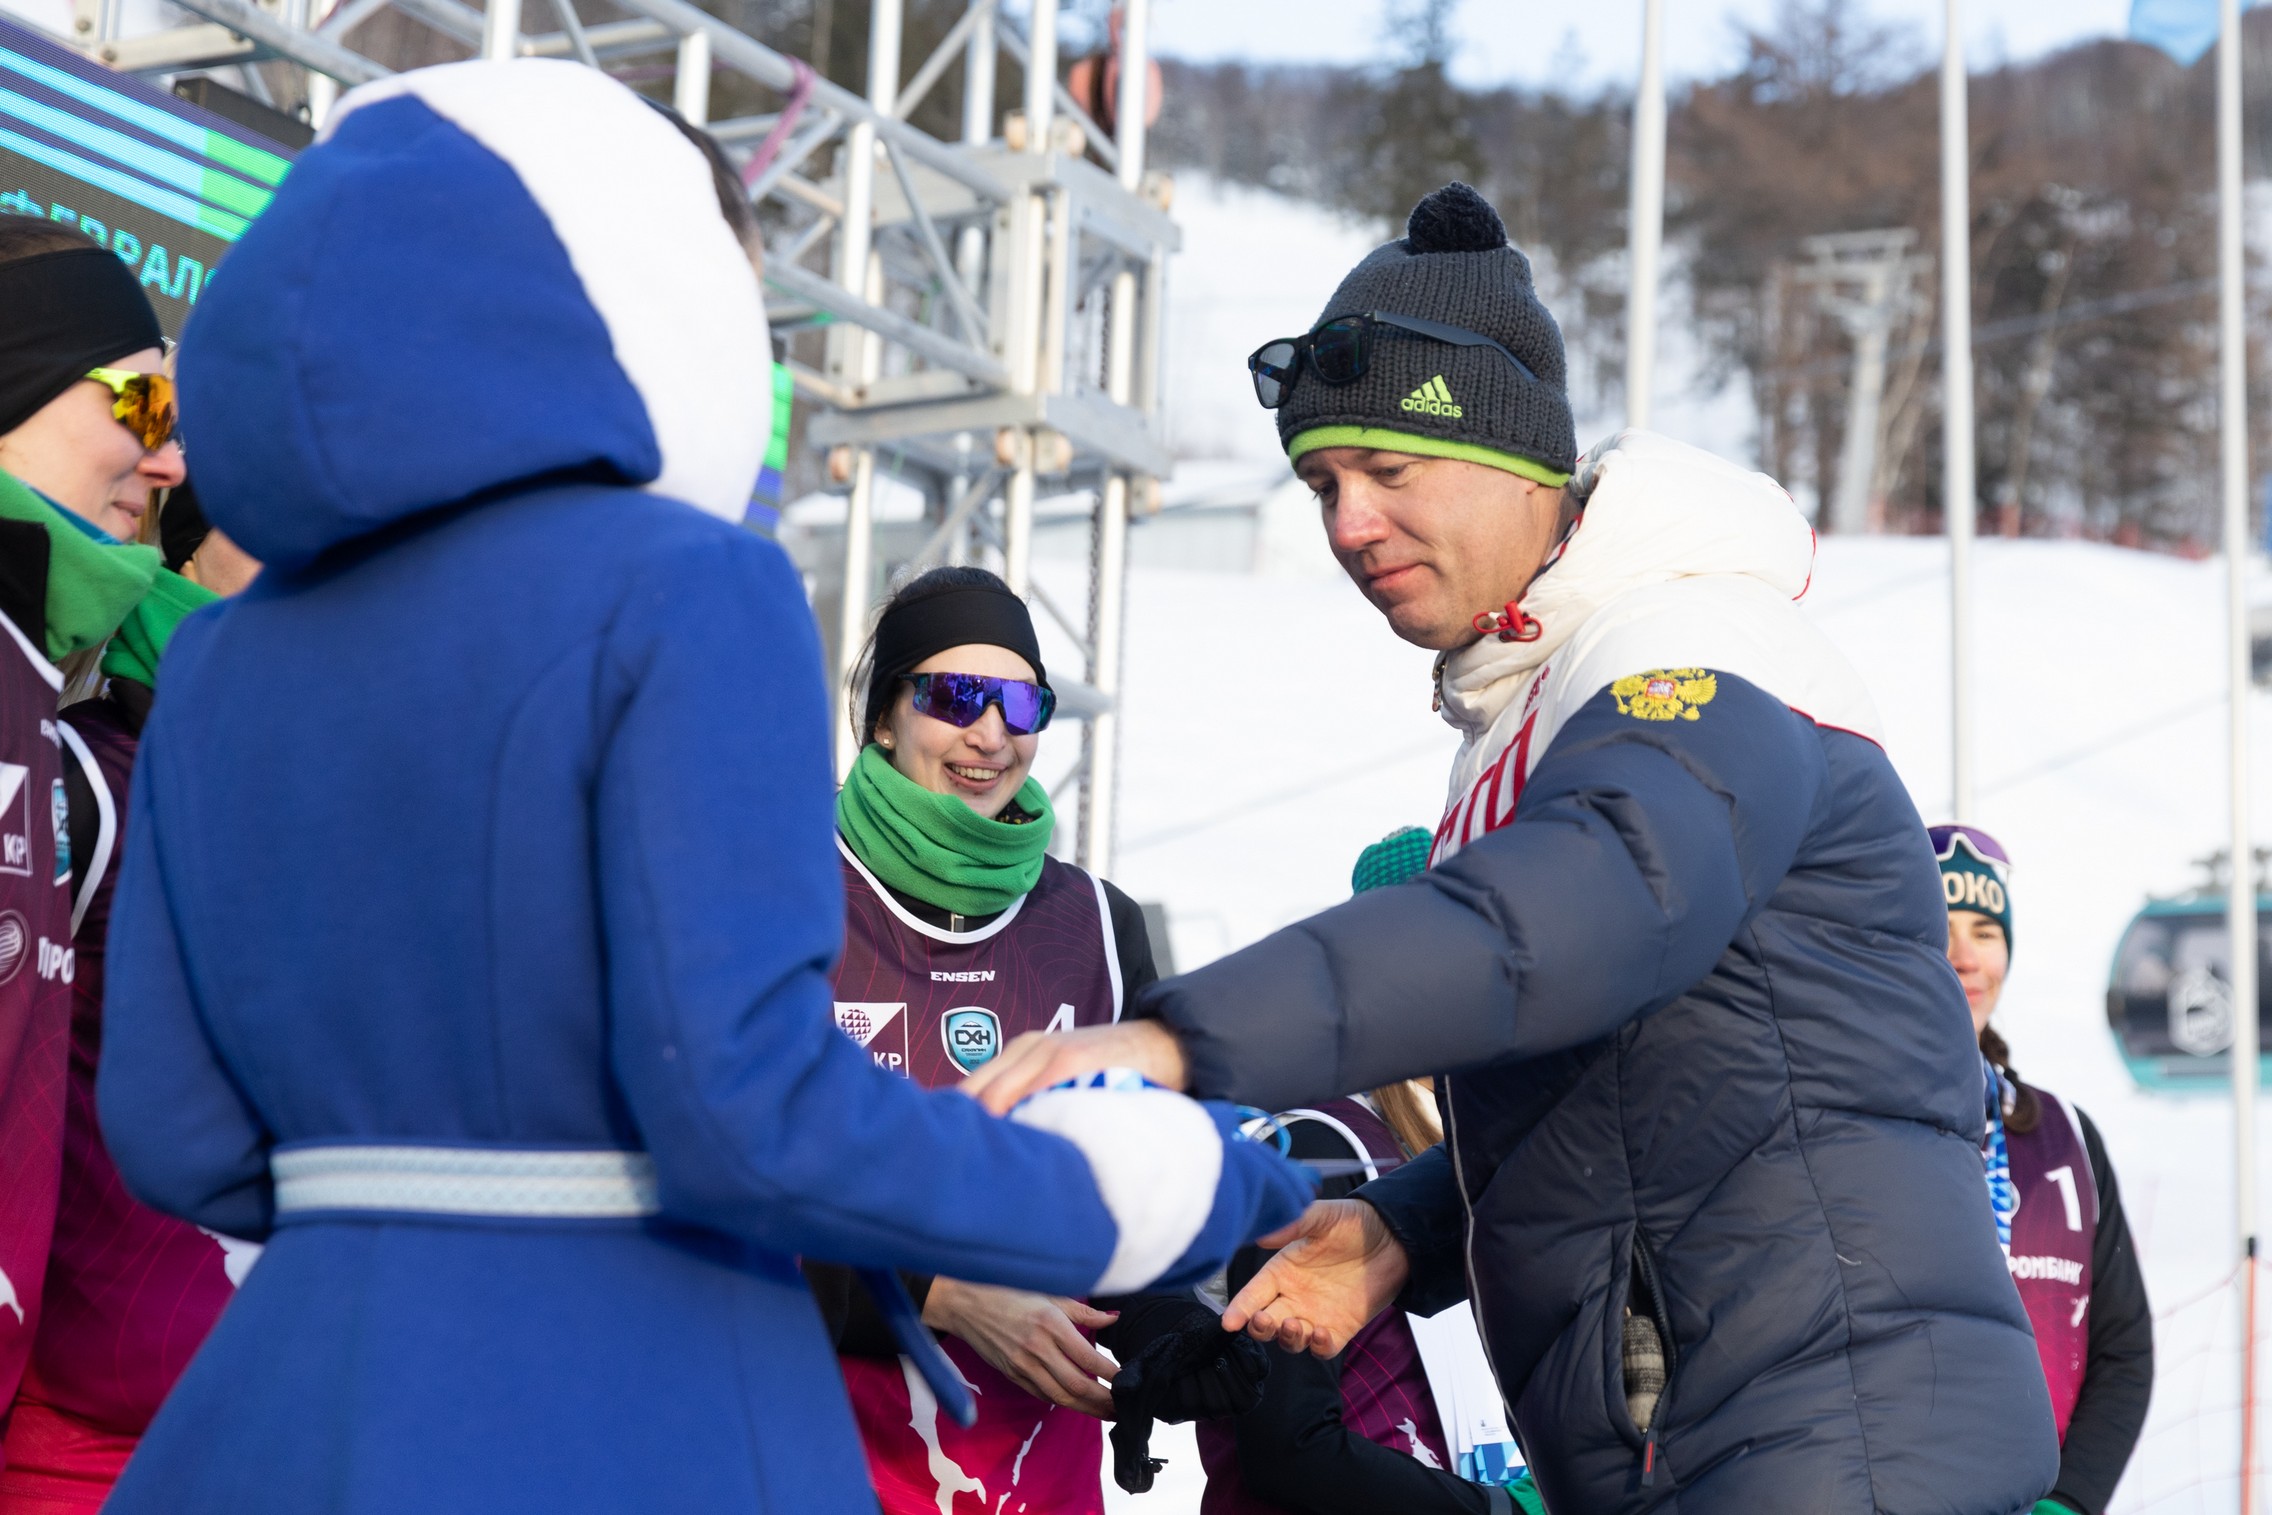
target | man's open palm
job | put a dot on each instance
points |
(1337, 1267)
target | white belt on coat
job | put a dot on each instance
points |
(510, 1183)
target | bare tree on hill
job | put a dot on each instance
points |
(2093, 243)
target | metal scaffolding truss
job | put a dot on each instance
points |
(983, 315)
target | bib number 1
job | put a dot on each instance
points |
(2065, 1179)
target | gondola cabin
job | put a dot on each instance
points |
(2168, 1000)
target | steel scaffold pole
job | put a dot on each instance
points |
(1108, 590)
(1030, 258)
(501, 29)
(2240, 894)
(690, 87)
(1957, 469)
(856, 358)
(1646, 217)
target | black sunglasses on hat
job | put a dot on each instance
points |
(1340, 350)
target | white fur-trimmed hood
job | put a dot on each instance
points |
(484, 275)
(1681, 560)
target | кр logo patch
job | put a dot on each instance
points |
(879, 1026)
(1664, 694)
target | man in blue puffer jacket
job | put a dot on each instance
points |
(1712, 1177)
(473, 942)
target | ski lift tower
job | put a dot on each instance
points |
(1865, 279)
(993, 305)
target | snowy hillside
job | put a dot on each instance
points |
(1256, 265)
(1274, 728)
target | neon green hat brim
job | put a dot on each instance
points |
(1381, 439)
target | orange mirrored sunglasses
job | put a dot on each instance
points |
(143, 403)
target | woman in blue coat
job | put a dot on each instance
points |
(474, 939)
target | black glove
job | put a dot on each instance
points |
(1194, 1371)
(1197, 1371)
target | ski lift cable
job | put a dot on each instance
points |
(2020, 326)
(2155, 722)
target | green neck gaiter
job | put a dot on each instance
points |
(142, 637)
(934, 846)
(91, 585)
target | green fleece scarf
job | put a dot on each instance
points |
(91, 585)
(934, 846)
(142, 637)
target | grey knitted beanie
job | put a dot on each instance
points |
(1453, 265)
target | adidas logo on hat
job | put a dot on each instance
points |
(1433, 398)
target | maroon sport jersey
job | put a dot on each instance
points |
(935, 1005)
(2052, 1235)
(131, 1294)
(1385, 1396)
(36, 966)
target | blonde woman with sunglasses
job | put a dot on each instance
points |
(112, 1298)
(90, 427)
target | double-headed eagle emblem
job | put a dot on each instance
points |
(1664, 694)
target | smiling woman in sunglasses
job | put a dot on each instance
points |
(961, 933)
(86, 409)
(2058, 1208)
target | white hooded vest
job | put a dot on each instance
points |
(1681, 565)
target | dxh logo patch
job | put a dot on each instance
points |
(973, 1035)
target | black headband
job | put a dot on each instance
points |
(908, 634)
(68, 312)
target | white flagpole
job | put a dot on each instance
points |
(1957, 481)
(2240, 895)
(1646, 231)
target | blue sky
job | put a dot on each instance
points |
(1531, 41)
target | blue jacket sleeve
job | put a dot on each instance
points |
(182, 1133)
(723, 908)
(1421, 1205)
(1639, 849)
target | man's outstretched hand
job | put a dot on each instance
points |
(1040, 1058)
(1337, 1267)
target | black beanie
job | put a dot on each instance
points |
(947, 607)
(1453, 265)
(67, 311)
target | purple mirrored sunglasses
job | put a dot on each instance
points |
(960, 699)
(1979, 843)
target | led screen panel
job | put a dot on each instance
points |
(166, 185)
